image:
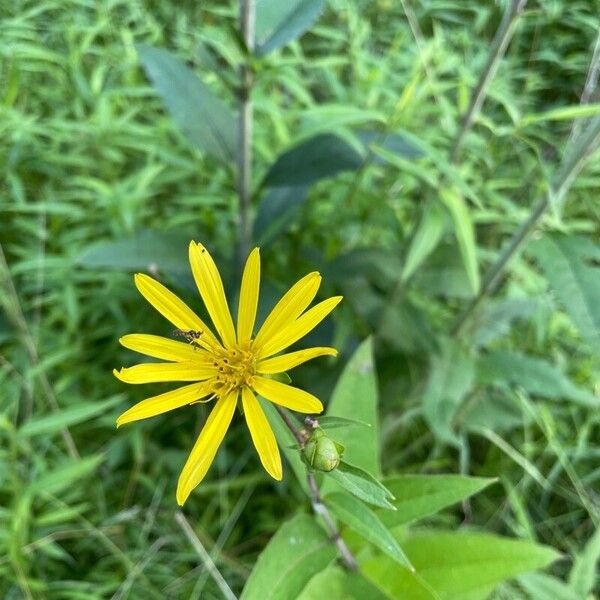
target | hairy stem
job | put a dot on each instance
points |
(316, 500)
(244, 156)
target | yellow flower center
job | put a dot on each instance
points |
(236, 368)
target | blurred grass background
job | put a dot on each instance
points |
(89, 154)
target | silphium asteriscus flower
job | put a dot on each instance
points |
(229, 366)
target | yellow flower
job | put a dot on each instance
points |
(230, 368)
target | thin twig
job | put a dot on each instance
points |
(499, 45)
(204, 556)
(415, 29)
(244, 157)
(316, 500)
(570, 167)
(20, 322)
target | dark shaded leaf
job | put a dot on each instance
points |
(318, 157)
(278, 23)
(276, 212)
(204, 119)
(145, 251)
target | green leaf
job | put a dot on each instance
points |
(365, 522)
(355, 397)
(564, 113)
(426, 238)
(457, 566)
(277, 211)
(391, 143)
(418, 496)
(59, 478)
(336, 583)
(451, 377)
(145, 251)
(298, 551)
(566, 262)
(360, 483)
(583, 575)
(204, 119)
(536, 375)
(278, 23)
(316, 158)
(465, 234)
(54, 422)
(336, 422)
(540, 586)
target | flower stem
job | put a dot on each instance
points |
(316, 499)
(244, 155)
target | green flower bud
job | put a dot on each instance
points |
(321, 453)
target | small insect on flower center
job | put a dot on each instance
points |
(191, 335)
(235, 367)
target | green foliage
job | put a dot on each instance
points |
(567, 263)
(457, 566)
(363, 520)
(419, 496)
(355, 396)
(299, 550)
(202, 117)
(357, 106)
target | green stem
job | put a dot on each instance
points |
(244, 158)
(316, 499)
(499, 45)
(568, 170)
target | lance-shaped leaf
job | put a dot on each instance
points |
(204, 119)
(418, 496)
(278, 23)
(297, 552)
(359, 517)
(456, 566)
(362, 484)
(318, 157)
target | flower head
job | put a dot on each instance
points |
(230, 367)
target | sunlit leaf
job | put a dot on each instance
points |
(365, 522)
(298, 551)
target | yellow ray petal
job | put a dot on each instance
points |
(161, 347)
(248, 297)
(205, 448)
(166, 402)
(262, 434)
(173, 309)
(160, 372)
(291, 305)
(299, 328)
(286, 395)
(211, 289)
(278, 364)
